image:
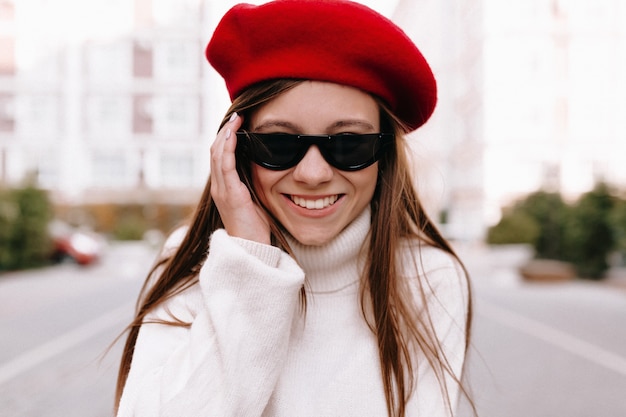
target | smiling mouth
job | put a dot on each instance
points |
(317, 204)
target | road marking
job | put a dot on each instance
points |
(64, 342)
(555, 337)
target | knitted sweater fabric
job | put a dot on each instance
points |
(251, 350)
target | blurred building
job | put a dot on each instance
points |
(104, 100)
(532, 95)
(449, 148)
(555, 96)
(113, 100)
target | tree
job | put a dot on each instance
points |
(549, 212)
(589, 235)
(515, 227)
(617, 220)
(24, 239)
(583, 233)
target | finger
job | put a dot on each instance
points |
(230, 142)
(223, 164)
(220, 138)
(217, 148)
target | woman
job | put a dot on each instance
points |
(309, 282)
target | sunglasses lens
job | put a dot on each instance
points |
(351, 152)
(275, 151)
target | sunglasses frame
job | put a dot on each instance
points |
(247, 142)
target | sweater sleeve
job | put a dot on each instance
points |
(228, 361)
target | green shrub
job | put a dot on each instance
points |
(589, 235)
(24, 216)
(583, 233)
(617, 220)
(126, 221)
(538, 220)
(130, 227)
(550, 213)
(515, 226)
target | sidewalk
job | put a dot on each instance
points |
(617, 278)
(499, 265)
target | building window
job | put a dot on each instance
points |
(110, 169)
(142, 113)
(177, 169)
(7, 56)
(142, 59)
(176, 115)
(108, 114)
(48, 169)
(108, 62)
(176, 61)
(7, 113)
(37, 114)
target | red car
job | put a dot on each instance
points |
(76, 245)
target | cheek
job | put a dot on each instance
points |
(365, 180)
(262, 181)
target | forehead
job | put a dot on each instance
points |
(317, 107)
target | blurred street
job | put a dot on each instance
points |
(544, 349)
(540, 350)
(56, 326)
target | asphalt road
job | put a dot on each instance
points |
(545, 349)
(58, 325)
(553, 350)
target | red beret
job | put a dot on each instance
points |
(326, 40)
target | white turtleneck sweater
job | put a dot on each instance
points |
(251, 352)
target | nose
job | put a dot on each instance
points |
(313, 168)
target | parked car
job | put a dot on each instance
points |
(74, 244)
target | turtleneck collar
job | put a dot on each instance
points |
(333, 266)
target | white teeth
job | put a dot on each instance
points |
(315, 204)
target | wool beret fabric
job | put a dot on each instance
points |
(325, 40)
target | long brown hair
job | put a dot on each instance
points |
(396, 214)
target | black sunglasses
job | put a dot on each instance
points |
(346, 151)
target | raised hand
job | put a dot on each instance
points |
(241, 216)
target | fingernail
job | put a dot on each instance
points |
(228, 132)
(233, 116)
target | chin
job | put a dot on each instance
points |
(309, 238)
(312, 242)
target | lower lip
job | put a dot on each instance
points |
(314, 213)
